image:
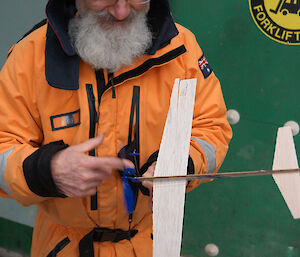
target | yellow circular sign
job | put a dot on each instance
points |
(278, 19)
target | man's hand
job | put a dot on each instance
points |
(77, 174)
(148, 184)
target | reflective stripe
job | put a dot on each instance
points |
(3, 162)
(210, 154)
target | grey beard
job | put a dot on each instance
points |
(110, 48)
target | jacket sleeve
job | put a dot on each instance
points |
(211, 132)
(24, 166)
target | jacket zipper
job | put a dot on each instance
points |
(147, 65)
(111, 82)
(94, 118)
(93, 112)
(92, 133)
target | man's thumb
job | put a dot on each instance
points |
(89, 145)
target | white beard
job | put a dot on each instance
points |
(110, 47)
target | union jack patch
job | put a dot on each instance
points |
(204, 66)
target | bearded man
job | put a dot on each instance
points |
(84, 96)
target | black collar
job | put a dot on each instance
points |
(62, 62)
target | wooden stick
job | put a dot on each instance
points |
(218, 175)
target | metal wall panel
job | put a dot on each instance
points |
(260, 79)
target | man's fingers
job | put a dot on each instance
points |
(107, 163)
(149, 173)
(148, 185)
(77, 174)
(88, 145)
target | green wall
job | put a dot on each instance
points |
(245, 217)
(17, 17)
(260, 78)
(15, 236)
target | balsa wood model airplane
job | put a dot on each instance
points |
(169, 192)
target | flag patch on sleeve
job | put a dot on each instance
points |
(204, 66)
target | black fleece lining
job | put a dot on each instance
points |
(59, 13)
(61, 70)
(101, 87)
(37, 170)
(163, 31)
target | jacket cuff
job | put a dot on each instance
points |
(37, 170)
(153, 158)
(191, 166)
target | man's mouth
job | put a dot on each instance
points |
(109, 21)
(115, 23)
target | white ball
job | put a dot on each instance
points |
(233, 116)
(211, 250)
(294, 126)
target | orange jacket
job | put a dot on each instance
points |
(34, 114)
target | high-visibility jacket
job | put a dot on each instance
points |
(50, 98)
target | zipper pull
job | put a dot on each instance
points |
(130, 222)
(114, 96)
(111, 78)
